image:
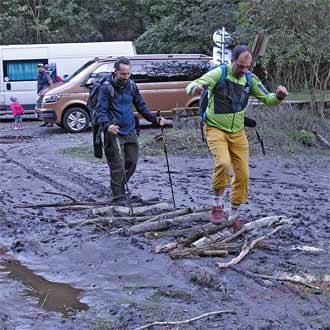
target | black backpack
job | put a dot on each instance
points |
(94, 92)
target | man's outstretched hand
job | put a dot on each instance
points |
(198, 90)
(281, 92)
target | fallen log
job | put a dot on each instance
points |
(213, 253)
(175, 213)
(247, 248)
(322, 139)
(139, 210)
(166, 223)
(208, 229)
(307, 281)
(150, 226)
(170, 214)
(210, 238)
(169, 233)
(230, 248)
(295, 279)
(115, 221)
(260, 223)
(164, 248)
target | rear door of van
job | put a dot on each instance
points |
(19, 74)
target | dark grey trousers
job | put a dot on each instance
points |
(130, 152)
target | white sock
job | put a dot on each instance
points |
(234, 211)
(218, 200)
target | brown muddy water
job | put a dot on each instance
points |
(51, 296)
(14, 139)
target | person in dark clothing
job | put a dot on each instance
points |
(43, 81)
(114, 112)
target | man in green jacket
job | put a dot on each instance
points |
(225, 134)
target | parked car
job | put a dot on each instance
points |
(162, 80)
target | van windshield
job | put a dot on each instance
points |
(79, 70)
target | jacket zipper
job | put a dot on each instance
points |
(232, 123)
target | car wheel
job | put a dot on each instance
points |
(76, 120)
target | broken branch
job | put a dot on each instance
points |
(186, 321)
(247, 248)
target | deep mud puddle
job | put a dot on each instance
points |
(51, 296)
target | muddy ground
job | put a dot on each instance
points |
(55, 277)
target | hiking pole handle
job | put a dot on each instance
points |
(161, 127)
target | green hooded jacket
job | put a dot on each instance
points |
(230, 122)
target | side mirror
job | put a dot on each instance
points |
(89, 83)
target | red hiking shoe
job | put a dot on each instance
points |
(216, 215)
(237, 224)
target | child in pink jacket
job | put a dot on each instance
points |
(17, 111)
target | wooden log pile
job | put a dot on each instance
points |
(186, 232)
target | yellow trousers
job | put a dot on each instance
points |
(230, 149)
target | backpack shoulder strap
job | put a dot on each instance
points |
(248, 76)
(110, 87)
(112, 91)
(223, 77)
(133, 86)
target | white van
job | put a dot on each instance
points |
(18, 66)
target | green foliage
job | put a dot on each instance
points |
(187, 27)
(299, 49)
(298, 54)
(306, 138)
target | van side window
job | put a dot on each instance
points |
(168, 70)
(107, 67)
(21, 70)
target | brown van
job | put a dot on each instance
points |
(161, 79)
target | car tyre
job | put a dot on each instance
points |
(76, 120)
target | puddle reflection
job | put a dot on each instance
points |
(52, 296)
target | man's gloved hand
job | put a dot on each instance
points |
(113, 129)
(281, 92)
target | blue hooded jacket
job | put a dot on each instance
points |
(118, 109)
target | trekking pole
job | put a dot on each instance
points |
(124, 174)
(167, 163)
(261, 143)
(248, 122)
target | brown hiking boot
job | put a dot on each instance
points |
(216, 215)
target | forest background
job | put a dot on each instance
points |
(298, 55)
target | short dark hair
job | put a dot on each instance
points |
(121, 60)
(238, 50)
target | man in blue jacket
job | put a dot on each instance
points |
(114, 113)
